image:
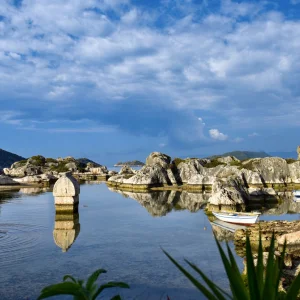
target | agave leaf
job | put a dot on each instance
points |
(215, 289)
(117, 297)
(294, 289)
(251, 274)
(64, 288)
(69, 277)
(281, 264)
(192, 279)
(269, 285)
(260, 268)
(93, 278)
(236, 282)
(108, 285)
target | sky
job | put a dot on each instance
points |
(114, 80)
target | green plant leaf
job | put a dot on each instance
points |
(91, 280)
(64, 288)
(236, 282)
(251, 274)
(108, 285)
(117, 297)
(260, 268)
(69, 277)
(215, 289)
(192, 279)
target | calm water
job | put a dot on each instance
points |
(114, 232)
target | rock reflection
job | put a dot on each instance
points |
(34, 190)
(160, 203)
(66, 230)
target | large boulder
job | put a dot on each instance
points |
(292, 239)
(294, 170)
(227, 159)
(228, 193)
(101, 170)
(126, 170)
(270, 169)
(150, 175)
(34, 179)
(188, 168)
(158, 158)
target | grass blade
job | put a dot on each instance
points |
(294, 289)
(108, 285)
(69, 277)
(260, 268)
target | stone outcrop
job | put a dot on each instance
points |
(294, 172)
(158, 158)
(66, 193)
(5, 180)
(227, 159)
(189, 168)
(126, 170)
(37, 179)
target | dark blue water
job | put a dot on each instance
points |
(116, 233)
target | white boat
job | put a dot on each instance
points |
(237, 217)
(296, 194)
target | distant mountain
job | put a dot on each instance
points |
(86, 160)
(8, 158)
(130, 163)
(242, 155)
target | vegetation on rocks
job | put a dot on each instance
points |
(290, 160)
(213, 163)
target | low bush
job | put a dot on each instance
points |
(213, 163)
(290, 160)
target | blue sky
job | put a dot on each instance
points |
(117, 79)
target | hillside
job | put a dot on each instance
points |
(242, 155)
(86, 160)
(8, 158)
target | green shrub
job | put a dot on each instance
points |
(60, 168)
(177, 161)
(22, 162)
(249, 166)
(37, 160)
(51, 160)
(213, 163)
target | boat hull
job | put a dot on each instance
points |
(236, 219)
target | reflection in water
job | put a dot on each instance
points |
(66, 230)
(160, 203)
(34, 190)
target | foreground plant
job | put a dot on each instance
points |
(263, 282)
(81, 291)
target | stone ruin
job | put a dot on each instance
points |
(66, 194)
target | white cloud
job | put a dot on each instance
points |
(238, 140)
(217, 135)
(253, 134)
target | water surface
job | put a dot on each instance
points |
(112, 231)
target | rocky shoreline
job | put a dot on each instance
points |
(233, 183)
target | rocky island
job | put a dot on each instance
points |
(133, 163)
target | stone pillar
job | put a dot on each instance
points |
(66, 230)
(298, 151)
(66, 194)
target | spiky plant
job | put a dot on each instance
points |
(80, 290)
(262, 282)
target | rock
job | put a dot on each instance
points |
(294, 171)
(126, 170)
(292, 239)
(226, 194)
(71, 166)
(34, 179)
(102, 170)
(112, 173)
(150, 175)
(69, 159)
(298, 151)
(188, 168)
(200, 179)
(158, 158)
(5, 180)
(227, 159)
(270, 169)
(172, 177)
(66, 191)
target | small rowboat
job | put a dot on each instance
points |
(237, 217)
(296, 194)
